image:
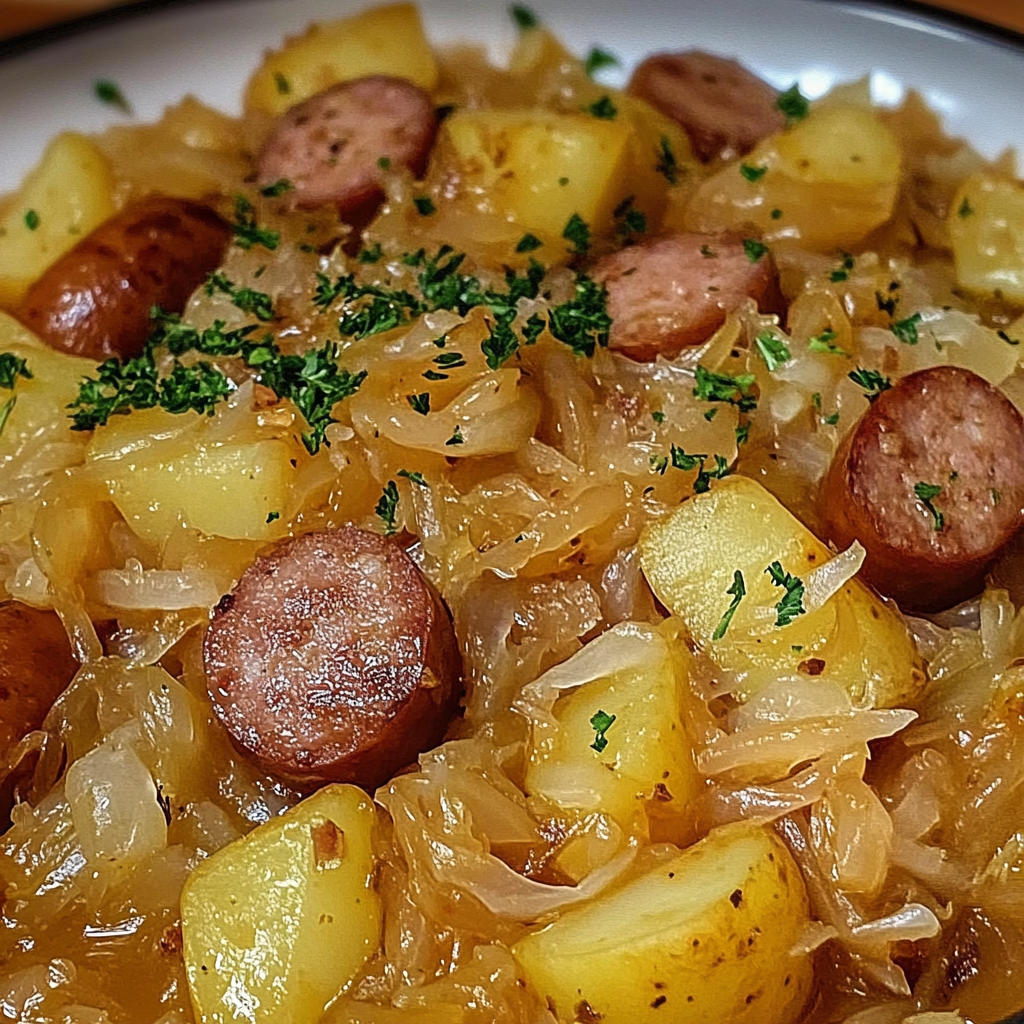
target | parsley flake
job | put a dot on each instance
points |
(110, 93)
(283, 85)
(456, 437)
(371, 255)
(523, 17)
(277, 188)
(738, 591)
(776, 214)
(247, 232)
(925, 493)
(272, 516)
(753, 174)
(772, 349)
(420, 403)
(31, 220)
(598, 59)
(628, 220)
(842, 272)
(577, 233)
(871, 381)
(528, 243)
(415, 478)
(793, 104)
(886, 304)
(824, 343)
(384, 163)
(754, 249)
(667, 165)
(792, 603)
(1005, 337)
(603, 108)
(5, 411)
(658, 416)
(601, 723)
(387, 508)
(424, 206)
(906, 330)
(11, 368)
(721, 387)
(965, 209)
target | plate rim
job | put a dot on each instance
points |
(920, 10)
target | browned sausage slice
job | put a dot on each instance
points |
(333, 147)
(95, 300)
(724, 108)
(333, 660)
(944, 428)
(668, 294)
(36, 666)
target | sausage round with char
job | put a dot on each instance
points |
(333, 660)
(724, 108)
(335, 146)
(672, 293)
(95, 301)
(36, 666)
(944, 428)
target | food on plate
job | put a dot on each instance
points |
(96, 299)
(333, 659)
(479, 545)
(931, 482)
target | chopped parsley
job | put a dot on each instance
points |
(5, 411)
(776, 214)
(842, 272)
(528, 243)
(282, 83)
(793, 104)
(886, 304)
(628, 220)
(248, 300)
(667, 165)
(384, 163)
(583, 322)
(523, 17)
(603, 108)
(577, 234)
(658, 416)
(738, 592)
(247, 232)
(371, 255)
(11, 368)
(906, 330)
(743, 433)
(110, 93)
(277, 188)
(271, 517)
(415, 478)
(456, 437)
(721, 387)
(601, 723)
(753, 174)
(31, 219)
(500, 344)
(871, 381)
(792, 603)
(772, 349)
(598, 59)
(387, 508)
(424, 206)
(824, 343)
(965, 209)
(681, 459)
(1005, 337)
(754, 249)
(925, 493)
(420, 403)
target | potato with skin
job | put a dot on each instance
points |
(644, 775)
(832, 178)
(279, 922)
(382, 41)
(68, 194)
(690, 559)
(705, 936)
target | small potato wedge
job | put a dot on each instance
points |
(279, 922)
(705, 936)
(690, 559)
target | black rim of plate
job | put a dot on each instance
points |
(974, 27)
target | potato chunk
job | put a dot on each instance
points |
(690, 560)
(381, 41)
(705, 936)
(279, 922)
(986, 226)
(645, 762)
(829, 181)
(67, 194)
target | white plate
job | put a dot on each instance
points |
(210, 49)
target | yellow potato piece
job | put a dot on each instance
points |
(279, 922)
(162, 483)
(690, 559)
(986, 227)
(67, 195)
(832, 179)
(537, 168)
(382, 41)
(705, 936)
(647, 765)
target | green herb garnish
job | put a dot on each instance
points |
(415, 478)
(601, 723)
(598, 59)
(282, 83)
(528, 243)
(721, 387)
(754, 249)
(523, 17)
(277, 188)
(906, 330)
(420, 403)
(11, 368)
(793, 104)
(667, 166)
(871, 381)
(387, 508)
(738, 592)
(603, 108)
(31, 220)
(424, 206)
(824, 343)
(577, 234)
(753, 174)
(772, 349)
(247, 232)
(925, 494)
(792, 603)
(110, 93)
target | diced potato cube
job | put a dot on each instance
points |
(829, 180)
(279, 922)
(67, 195)
(647, 763)
(538, 168)
(161, 484)
(986, 226)
(705, 936)
(381, 41)
(690, 559)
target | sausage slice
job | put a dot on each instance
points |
(333, 660)
(96, 299)
(36, 666)
(944, 428)
(669, 294)
(335, 146)
(724, 108)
